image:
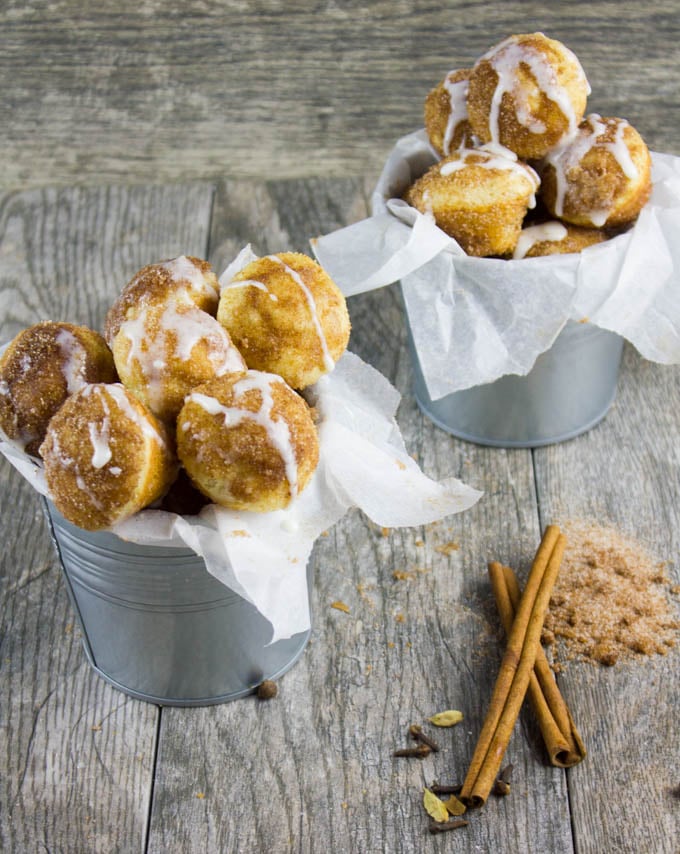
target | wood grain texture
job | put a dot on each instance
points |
(167, 91)
(625, 474)
(313, 770)
(77, 756)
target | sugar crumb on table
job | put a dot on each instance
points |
(448, 548)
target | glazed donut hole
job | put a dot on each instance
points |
(601, 178)
(40, 368)
(286, 316)
(477, 197)
(167, 350)
(553, 237)
(106, 457)
(248, 442)
(527, 93)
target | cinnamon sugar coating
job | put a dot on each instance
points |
(601, 178)
(248, 442)
(478, 197)
(286, 316)
(42, 366)
(106, 457)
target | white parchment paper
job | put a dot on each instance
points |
(474, 320)
(362, 463)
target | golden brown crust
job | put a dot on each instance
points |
(597, 190)
(282, 327)
(169, 349)
(525, 100)
(242, 450)
(437, 111)
(576, 239)
(106, 457)
(185, 278)
(40, 368)
(481, 206)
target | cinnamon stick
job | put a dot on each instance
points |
(515, 670)
(562, 739)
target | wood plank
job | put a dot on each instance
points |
(163, 91)
(625, 474)
(313, 769)
(76, 756)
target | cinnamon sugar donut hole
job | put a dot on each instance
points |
(527, 93)
(286, 316)
(106, 457)
(247, 442)
(601, 178)
(446, 118)
(479, 197)
(169, 349)
(555, 238)
(41, 367)
(184, 279)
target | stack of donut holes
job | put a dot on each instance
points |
(522, 171)
(190, 396)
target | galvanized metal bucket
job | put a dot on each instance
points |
(159, 627)
(568, 391)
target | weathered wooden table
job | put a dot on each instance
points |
(87, 769)
(164, 101)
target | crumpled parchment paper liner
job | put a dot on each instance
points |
(474, 320)
(363, 463)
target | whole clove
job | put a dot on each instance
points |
(416, 731)
(453, 789)
(444, 826)
(506, 773)
(420, 752)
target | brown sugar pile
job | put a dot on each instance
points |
(610, 602)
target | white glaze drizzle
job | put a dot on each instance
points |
(183, 269)
(328, 362)
(534, 234)
(277, 429)
(100, 436)
(569, 156)
(82, 486)
(458, 109)
(119, 396)
(621, 151)
(245, 283)
(505, 60)
(73, 360)
(493, 156)
(67, 463)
